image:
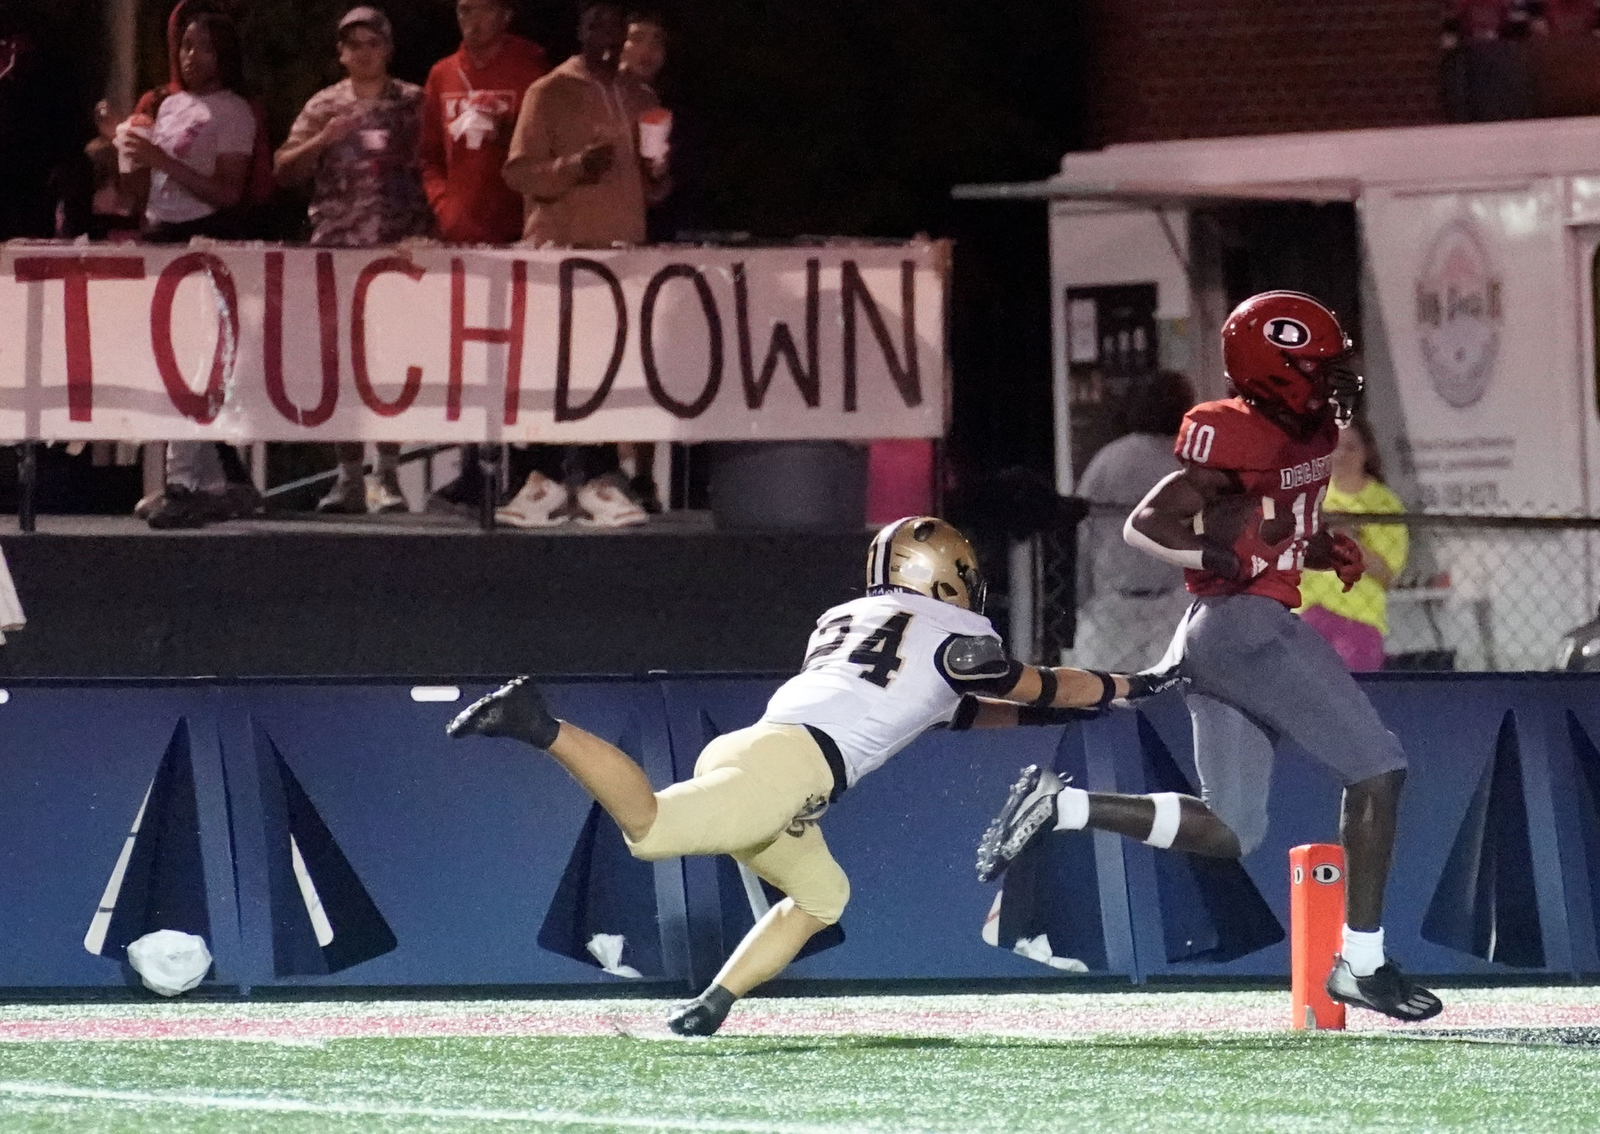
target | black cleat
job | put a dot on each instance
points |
(516, 709)
(1030, 811)
(1388, 991)
(703, 1015)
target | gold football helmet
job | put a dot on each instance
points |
(925, 555)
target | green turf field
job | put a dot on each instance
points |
(1094, 1062)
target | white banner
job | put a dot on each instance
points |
(267, 343)
(1478, 310)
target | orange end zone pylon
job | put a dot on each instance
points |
(1316, 916)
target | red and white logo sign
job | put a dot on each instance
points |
(1459, 313)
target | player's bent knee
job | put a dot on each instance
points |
(824, 898)
(1385, 785)
(661, 841)
(644, 849)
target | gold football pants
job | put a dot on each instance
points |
(755, 795)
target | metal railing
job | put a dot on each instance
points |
(1477, 593)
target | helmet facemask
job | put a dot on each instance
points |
(977, 587)
(1330, 381)
(1345, 390)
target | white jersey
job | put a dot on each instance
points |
(877, 674)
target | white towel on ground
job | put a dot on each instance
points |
(11, 616)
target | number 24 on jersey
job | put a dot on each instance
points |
(876, 649)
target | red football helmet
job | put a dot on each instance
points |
(1285, 348)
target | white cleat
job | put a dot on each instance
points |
(1030, 811)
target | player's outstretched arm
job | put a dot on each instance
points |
(998, 692)
(1043, 687)
(1163, 523)
(1072, 695)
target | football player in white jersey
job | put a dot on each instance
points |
(915, 653)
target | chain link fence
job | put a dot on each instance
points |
(1476, 593)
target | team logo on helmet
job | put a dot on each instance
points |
(1285, 332)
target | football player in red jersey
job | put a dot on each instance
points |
(1257, 465)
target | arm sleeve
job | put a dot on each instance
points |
(311, 119)
(430, 145)
(976, 664)
(533, 168)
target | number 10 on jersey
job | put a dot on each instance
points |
(1306, 524)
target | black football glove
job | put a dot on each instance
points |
(1151, 683)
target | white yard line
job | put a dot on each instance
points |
(267, 1105)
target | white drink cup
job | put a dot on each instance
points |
(655, 133)
(125, 160)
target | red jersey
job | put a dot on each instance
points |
(1287, 474)
(467, 115)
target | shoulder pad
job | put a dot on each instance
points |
(975, 656)
(1228, 435)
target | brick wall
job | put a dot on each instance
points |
(1167, 69)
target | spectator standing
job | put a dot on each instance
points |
(191, 169)
(644, 51)
(1128, 602)
(574, 152)
(110, 215)
(357, 142)
(644, 54)
(193, 165)
(258, 185)
(575, 159)
(1355, 621)
(469, 103)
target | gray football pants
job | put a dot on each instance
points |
(1257, 673)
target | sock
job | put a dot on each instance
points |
(1363, 951)
(1169, 816)
(718, 999)
(703, 1015)
(1072, 809)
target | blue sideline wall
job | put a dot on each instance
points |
(480, 863)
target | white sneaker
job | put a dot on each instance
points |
(383, 497)
(604, 503)
(539, 503)
(346, 498)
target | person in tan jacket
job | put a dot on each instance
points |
(575, 159)
(574, 152)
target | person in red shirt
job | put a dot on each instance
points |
(1242, 517)
(469, 104)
